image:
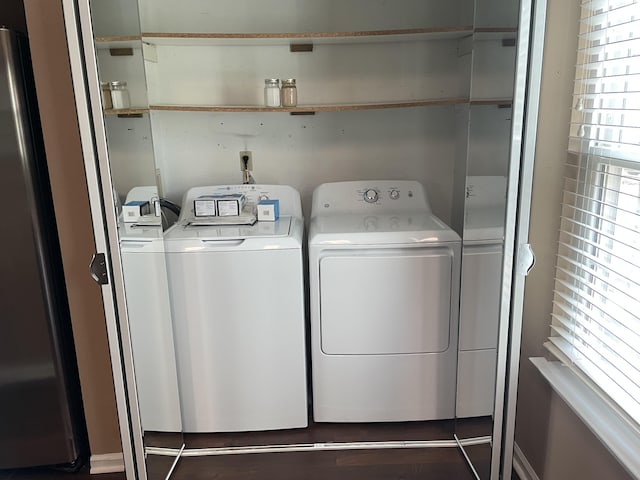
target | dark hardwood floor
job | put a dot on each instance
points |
(396, 464)
(53, 474)
(375, 464)
(330, 432)
(406, 463)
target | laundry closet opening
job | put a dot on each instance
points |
(317, 276)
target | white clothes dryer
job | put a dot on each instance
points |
(237, 299)
(384, 277)
(482, 253)
(149, 313)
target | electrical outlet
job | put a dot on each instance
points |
(246, 155)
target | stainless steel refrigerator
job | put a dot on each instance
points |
(41, 421)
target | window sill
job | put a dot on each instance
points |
(615, 433)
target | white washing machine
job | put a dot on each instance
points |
(149, 312)
(238, 306)
(483, 240)
(384, 276)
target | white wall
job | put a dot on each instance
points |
(300, 15)
(305, 151)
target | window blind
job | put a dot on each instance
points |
(596, 308)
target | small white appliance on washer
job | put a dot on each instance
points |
(384, 277)
(147, 295)
(237, 296)
(483, 239)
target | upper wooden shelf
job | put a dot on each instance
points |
(394, 35)
(397, 35)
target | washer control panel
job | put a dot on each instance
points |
(369, 196)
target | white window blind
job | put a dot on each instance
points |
(596, 309)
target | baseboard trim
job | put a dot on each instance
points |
(106, 463)
(522, 466)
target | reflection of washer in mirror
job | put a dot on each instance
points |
(149, 313)
(480, 294)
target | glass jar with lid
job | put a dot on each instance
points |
(271, 92)
(105, 89)
(289, 93)
(120, 95)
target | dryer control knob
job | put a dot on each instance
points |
(371, 196)
(394, 194)
(263, 197)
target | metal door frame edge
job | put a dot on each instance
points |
(526, 102)
(94, 148)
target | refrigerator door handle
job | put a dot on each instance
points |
(98, 269)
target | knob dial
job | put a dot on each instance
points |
(371, 196)
(394, 194)
(263, 197)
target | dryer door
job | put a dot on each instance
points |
(386, 301)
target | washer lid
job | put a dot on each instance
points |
(398, 228)
(141, 237)
(279, 228)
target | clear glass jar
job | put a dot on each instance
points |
(271, 92)
(289, 93)
(106, 95)
(120, 95)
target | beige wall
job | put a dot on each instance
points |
(555, 442)
(64, 157)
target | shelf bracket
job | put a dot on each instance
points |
(302, 113)
(300, 47)
(121, 52)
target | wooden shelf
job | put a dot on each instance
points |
(495, 33)
(266, 38)
(302, 109)
(495, 30)
(397, 35)
(131, 41)
(500, 102)
(126, 111)
(310, 108)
